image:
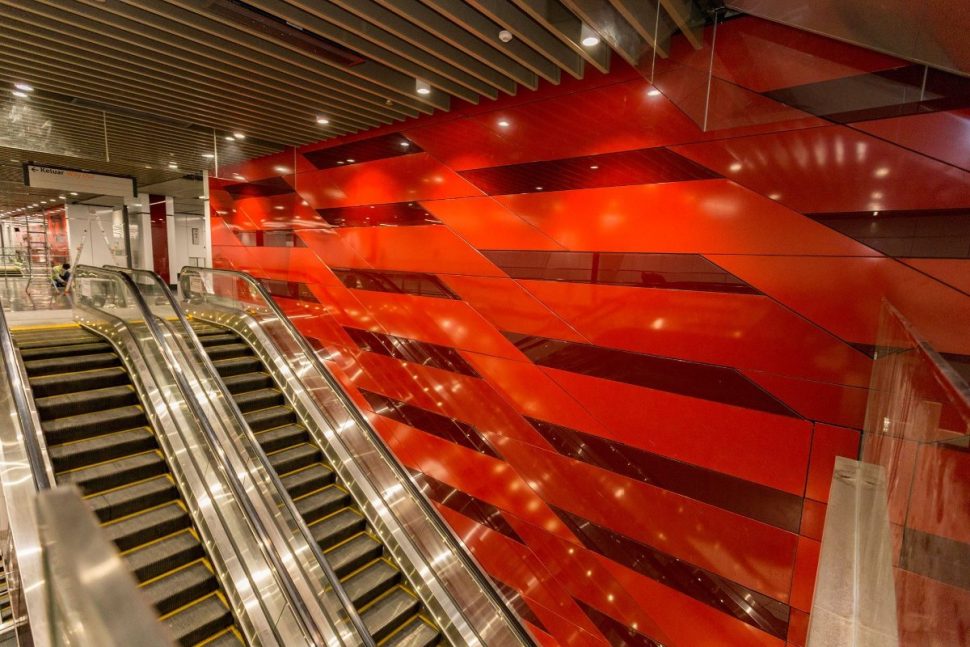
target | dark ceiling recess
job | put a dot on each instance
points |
(270, 25)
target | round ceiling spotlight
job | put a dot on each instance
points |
(588, 37)
(18, 93)
(229, 138)
(208, 156)
(238, 136)
(24, 87)
(323, 121)
(505, 36)
(422, 87)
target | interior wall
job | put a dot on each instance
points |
(96, 235)
(620, 353)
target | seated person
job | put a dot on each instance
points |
(60, 275)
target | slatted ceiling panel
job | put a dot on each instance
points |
(159, 77)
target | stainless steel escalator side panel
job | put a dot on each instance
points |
(97, 600)
(257, 601)
(22, 550)
(322, 593)
(428, 553)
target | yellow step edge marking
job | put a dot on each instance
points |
(176, 502)
(200, 560)
(113, 460)
(213, 594)
(40, 327)
(212, 639)
(111, 433)
(160, 540)
(164, 475)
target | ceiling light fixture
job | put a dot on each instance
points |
(350, 161)
(405, 144)
(653, 92)
(229, 138)
(422, 87)
(281, 169)
(594, 167)
(18, 93)
(323, 121)
(201, 197)
(73, 192)
(238, 136)
(278, 207)
(208, 156)
(735, 167)
(23, 87)
(62, 197)
(588, 37)
(505, 36)
(503, 123)
(173, 165)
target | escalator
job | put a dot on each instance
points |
(99, 439)
(392, 614)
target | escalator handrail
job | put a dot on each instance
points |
(429, 512)
(210, 368)
(18, 389)
(302, 613)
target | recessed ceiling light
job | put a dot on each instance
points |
(538, 188)
(281, 169)
(43, 201)
(18, 93)
(422, 87)
(23, 87)
(654, 92)
(73, 192)
(278, 207)
(62, 197)
(875, 213)
(323, 121)
(208, 155)
(588, 37)
(405, 144)
(505, 36)
(201, 197)
(350, 161)
(735, 167)
(229, 138)
(594, 166)
(137, 204)
(503, 123)
(882, 171)
(173, 165)
(238, 136)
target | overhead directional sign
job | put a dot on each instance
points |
(66, 179)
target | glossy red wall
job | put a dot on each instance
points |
(621, 353)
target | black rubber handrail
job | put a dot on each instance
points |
(471, 566)
(330, 574)
(35, 456)
(239, 492)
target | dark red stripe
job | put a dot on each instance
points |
(411, 350)
(480, 511)
(759, 502)
(747, 605)
(425, 285)
(365, 150)
(925, 233)
(704, 381)
(395, 213)
(645, 166)
(436, 424)
(288, 289)
(619, 634)
(668, 271)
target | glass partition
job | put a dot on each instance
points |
(461, 600)
(910, 582)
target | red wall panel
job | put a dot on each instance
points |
(581, 386)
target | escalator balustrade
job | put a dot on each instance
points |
(99, 439)
(391, 612)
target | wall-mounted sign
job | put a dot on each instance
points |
(66, 179)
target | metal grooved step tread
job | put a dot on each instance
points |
(100, 440)
(391, 611)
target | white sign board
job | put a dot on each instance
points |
(64, 179)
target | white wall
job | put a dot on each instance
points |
(97, 233)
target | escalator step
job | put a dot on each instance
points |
(259, 399)
(354, 553)
(371, 582)
(143, 528)
(273, 440)
(308, 479)
(199, 621)
(416, 633)
(389, 612)
(114, 474)
(125, 501)
(68, 350)
(178, 589)
(202, 328)
(72, 404)
(225, 351)
(97, 423)
(28, 339)
(294, 458)
(338, 527)
(210, 339)
(237, 365)
(269, 418)
(56, 365)
(244, 382)
(225, 639)
(79, 381)
(164, 555)
(322, 503)
(69, 456)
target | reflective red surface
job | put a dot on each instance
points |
(639, 374)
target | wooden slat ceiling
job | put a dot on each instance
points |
(145, 83)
